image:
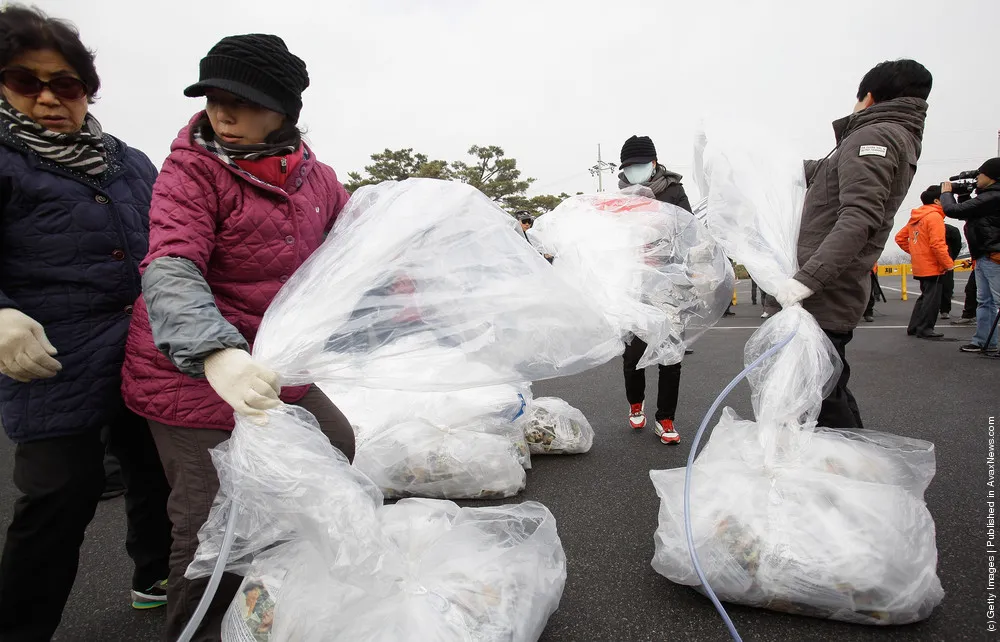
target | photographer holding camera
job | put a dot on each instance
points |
(982, 230)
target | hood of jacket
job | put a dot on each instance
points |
(925, 210)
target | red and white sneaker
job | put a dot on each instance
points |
(637, 418)
(665, 431)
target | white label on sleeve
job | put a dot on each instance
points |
(872, 150)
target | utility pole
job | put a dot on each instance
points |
(599, 169)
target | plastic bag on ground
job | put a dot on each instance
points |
(429, 285)
(447, 573)
(787, 515)
(421, 459)
(553, 427)
(803, 537)
(654, 269)
(370, 410)
(309, 524)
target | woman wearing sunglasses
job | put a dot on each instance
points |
(240, 204)
(74, 206)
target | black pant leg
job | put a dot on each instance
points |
(61, 480)
(635, 380)
(147, 538)
(840, 408)
(668, 389)
(917, 313)
(947, 291)
(925, 312)
(969, 311)
(113, 481)
(753, 292)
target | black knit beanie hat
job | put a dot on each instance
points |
(638, 150)
(256, 67)
(991, 168)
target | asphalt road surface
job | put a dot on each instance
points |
(606, 507)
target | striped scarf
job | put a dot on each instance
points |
(82, 152)
(204, 135)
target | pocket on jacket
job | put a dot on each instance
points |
(819, 190)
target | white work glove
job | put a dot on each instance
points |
(247, 386)
(25, 351)
(791, 292)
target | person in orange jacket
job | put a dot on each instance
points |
(923, 238)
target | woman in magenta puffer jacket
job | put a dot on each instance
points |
(240, 204)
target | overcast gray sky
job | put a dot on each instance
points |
(548, 80)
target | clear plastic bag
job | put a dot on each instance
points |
(371, 410)
(284, 480)
(429, 285)
(447, 573)
(653, 269)
(787, 515)
(308, 524)
(754, 191)
(809, 535)
(421, 459)
(553, 427)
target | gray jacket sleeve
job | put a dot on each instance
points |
(187, 325)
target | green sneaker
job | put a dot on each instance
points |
(153, 597)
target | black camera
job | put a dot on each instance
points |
(963, 184)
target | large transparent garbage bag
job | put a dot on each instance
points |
(283, 478)
(797, 539)
(654, 269)
(418, 458)
(429, 285)
(860, 455)
(754, 190)
(370, 410)
(308, 524)
(553, 427)
(447, 573)
(786, 514)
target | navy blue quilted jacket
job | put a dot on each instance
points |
(70, 249)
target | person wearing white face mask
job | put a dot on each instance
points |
(639, 167)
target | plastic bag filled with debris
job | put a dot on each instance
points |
(553, 427)
(370, 410)
(654, 269)
(785, 514)
(429, 285)
(421, 459)
(307, 523)
(446, 573)
(836, 533)
(449, 573)
(283, 479)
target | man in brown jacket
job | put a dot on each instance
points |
(850, 204)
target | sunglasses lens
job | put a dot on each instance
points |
(21, 82)
(68, 88)
(26, 84)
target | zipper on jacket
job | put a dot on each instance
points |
(284, 164)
